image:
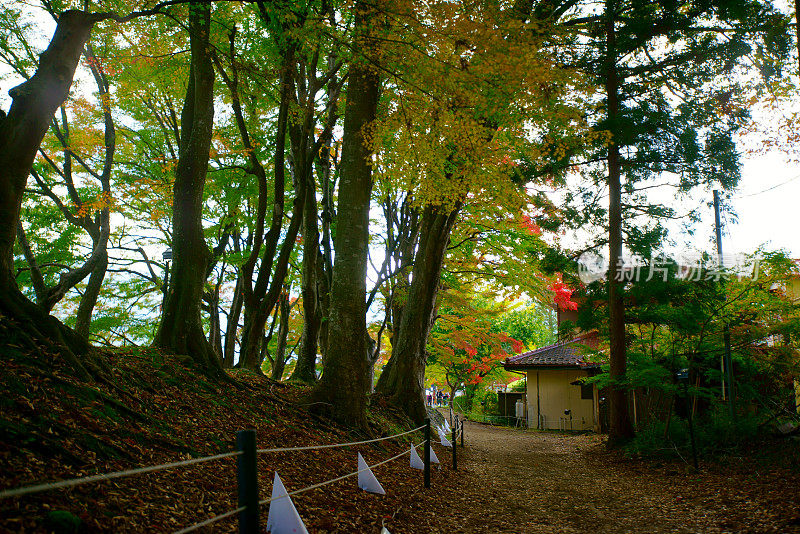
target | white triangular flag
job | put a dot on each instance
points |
(444, 440)
(385, 531)
(447, 425)
(283, 517)
(416, 461)
(366, 479)
(432, 458)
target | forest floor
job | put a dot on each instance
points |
(153, 409)
(516, 481)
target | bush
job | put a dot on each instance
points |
(488, 403)
(714, 434)
(520, 385)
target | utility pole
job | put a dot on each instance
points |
(727, 366)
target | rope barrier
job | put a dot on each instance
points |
(150, 469)
(109, 476)
(207, 522)
(26, 490)
(335, 445)
(337, 479)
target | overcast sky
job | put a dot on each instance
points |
(768, 206)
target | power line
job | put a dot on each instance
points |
(768, 189)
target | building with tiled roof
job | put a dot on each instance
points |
(557, 397)
(570, 353)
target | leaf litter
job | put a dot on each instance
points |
(156, 409)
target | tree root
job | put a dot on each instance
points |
(41, 332)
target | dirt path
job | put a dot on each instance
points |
(515, 481)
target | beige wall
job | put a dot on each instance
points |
(553, 389)
(793, 288)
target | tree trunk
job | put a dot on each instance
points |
(233, 325)
(305, 369)
(403, 378)
(83, 318)
(325, 263)
(373, 353)
(264, 352)
(102, 228)
(21, 132)
(37, 280)
(620, 427)
(214, 323)
(250, 346)
(279, 363)
(324, 303)
(342, 386)
(181, 330)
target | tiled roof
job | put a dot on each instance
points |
(569, 353)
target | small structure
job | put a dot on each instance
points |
(557, 398)
(507, 403)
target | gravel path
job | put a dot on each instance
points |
(515, 481)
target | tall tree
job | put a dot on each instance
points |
(620, 426)
(671, 112)
(343, 384)
(402, 380)
(471, 133)
(181, 329)
(93, 208)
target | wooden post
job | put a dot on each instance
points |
(454, 445)
(427, 453)
(691, 426)
(247, 475)
(462, 430)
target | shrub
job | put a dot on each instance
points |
(520, 385)
(714, 433)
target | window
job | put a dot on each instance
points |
(587, 392)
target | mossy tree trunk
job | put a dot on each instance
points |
(342, 388)
(181, 330)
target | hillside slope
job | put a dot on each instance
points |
(152, 409)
